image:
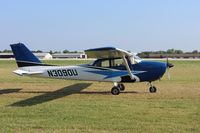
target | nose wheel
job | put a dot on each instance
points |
(117, 88)
(152, 88)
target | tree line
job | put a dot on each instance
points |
(40, 51)
(169, 51)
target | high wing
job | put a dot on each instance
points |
(107, 52)
(111, 52)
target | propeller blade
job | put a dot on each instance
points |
(168, 73)
(168, 65)
(167, 61)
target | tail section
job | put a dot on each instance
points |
(23, 56)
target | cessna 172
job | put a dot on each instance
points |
(112, 65)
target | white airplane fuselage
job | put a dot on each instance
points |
(67, 72)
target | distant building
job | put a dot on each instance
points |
(172, 56)
(39, 55)
(45, 56)
(6, 55)
(70, 55)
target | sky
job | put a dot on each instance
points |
(135, 25)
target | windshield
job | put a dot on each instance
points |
(136, 59)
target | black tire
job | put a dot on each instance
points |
(152, 89)
(115, 90)
(121, 87)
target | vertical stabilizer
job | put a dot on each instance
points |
(23, 56)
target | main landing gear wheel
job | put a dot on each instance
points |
(152, 89)
(121, 87)
(115, 90)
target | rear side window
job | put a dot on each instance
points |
(105, 63)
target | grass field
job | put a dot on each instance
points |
(49, 105)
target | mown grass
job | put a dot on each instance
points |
(50, 105)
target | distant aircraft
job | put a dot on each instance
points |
(112, 65)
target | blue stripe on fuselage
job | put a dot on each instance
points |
(112, 74)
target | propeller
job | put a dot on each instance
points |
(169, 65)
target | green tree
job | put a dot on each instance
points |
(65, 51)
(195, 52)
(7, 51)
(50, 52)
(178, 51)
(56, 52)
(39, 51)
(170, 51)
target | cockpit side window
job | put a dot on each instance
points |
(105, 63)
(118, 62)
(108, 62)
(101, 63)
(97, 63)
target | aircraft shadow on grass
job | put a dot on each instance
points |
(7, 91)
(108, 92)
(49, 96)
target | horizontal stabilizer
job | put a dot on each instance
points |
(22, 72)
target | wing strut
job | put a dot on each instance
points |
(128, 68)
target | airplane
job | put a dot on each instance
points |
(111, 65)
